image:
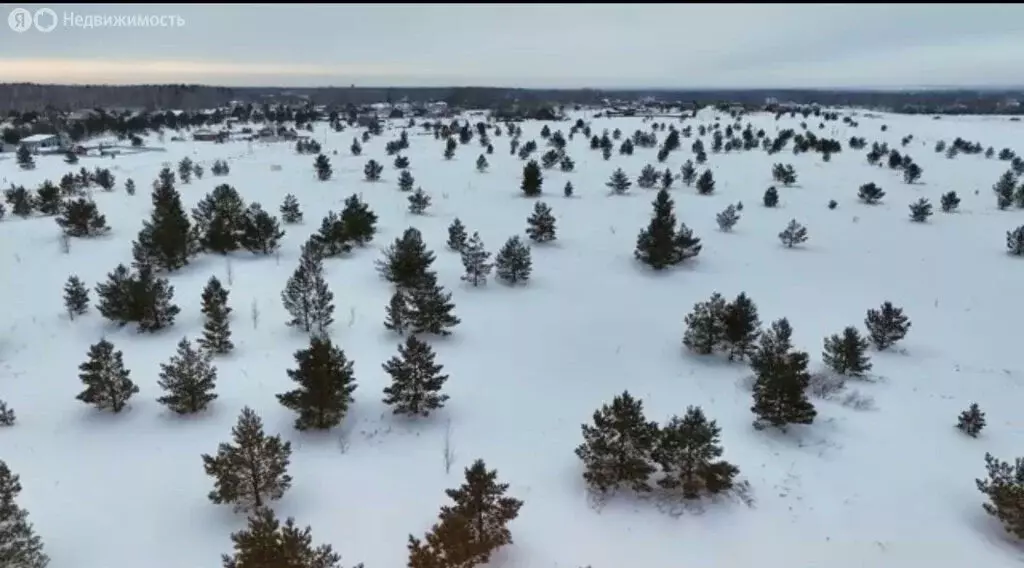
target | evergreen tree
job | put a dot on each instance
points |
(430, 307)
(870, 193)
(265, 543)
(784, 174)
(705, 325)
(168, 233)
(372, 170)
(359, 223)
(76, 297)
(616, 449)
(728, 218)
(307, 297)
(541, 224)
(397, 316)
(920, 210)
(20, 546)
(401, 162)
(253, 470)
(793, 234)
(688, 173)
(80, 218)
(261, 233)
(847, 354)
(219, 219)
(406, 181)
(24, 158)
(290, 211)
(741, 327)
(189, 380)
(1004, 189)
(482, 503)
(481, 163)
(533, 180)
(687, 450)
(448, 543)
(416, 380)
(706, 183)
(971, 421)
(771, 197)
(513, 263)
(322, 166)
(332, 239)
(115, 296)
(71, 158)
(619, 182)
(667, 179)
(216, 337)
(659, 245)
(1005, 491)
(326, 383)
(406, 261)
(568, 190)
(47, 199)
(7, 416)
(475, 260)
(107, 382)
(780, 396)
(1015, 241)
(648, 177)
(950, 201)
(185, 170)
(418, 201)
(152, 301)
(886, 325)
(456, 235)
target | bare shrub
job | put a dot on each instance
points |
(351, 316)
(254, 313)
(230, 270)
(826, 385)
(65, 243)
(449, 451)
(858, 401)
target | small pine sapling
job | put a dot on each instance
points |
(541, 224)
(619, 183)
(971, 421)
(617, 447)
(949, 202)
(20, 546)
(418, 201)
(253, 470)
(7, 416)
(406, 181)
(481, 163)
(107, 382)
(568, 190)
(513, 263)
(870, 193)
(189, 380)
(397, 315)
(216, 337)
(290, 211)
(706, 183)
(687, 452)
(847, 354)
(456, 235)
(793, 234)
(728, 218)
(886, 325)
(416, 380)
(705, 326)
(76, 297)
(771, 197)
(1004, 487)
(920, 210)
(326, 381)
(1015, 241)
(475, 261)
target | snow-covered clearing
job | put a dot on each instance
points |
(888, 487)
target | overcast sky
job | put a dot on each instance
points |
(610, 46)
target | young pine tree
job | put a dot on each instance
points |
(430, 307)
(475, 260)
(971, 421)
(261, 233)
(322, 167)
(687, 450)
(616, 449)
(107, 382)
(481, 502)
(216, 338)
(76, 297)
(886, 325)
(705, 326)
(418, 201)
(189, 380)
(456, 235)
(168, 236)
(265, 543)
(20, 547)
(793, 234)
(326, 383)
(290, 211)
(706, 183)
(253, 470)
(1004, 487)
(533, 179)
(619, 183)
(847, 354)
(152, 301)
(660, 245)
(481, 164)
(741, 327)
(358, 222)
(306, 296)
(920, 210)
(728, 218)
(405, 181)
(416, 381)
(541, 224)
(407, 261)
(513, 263)
(780, 388)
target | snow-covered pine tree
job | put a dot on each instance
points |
(20, 546)
(418, 201)
(513, 263)
(288, 545)
(456, 235)
(253, 470)
(107, 382)
(687, 452)
(76, 297)
(971, 421)
(430, 307)
(741, 327)
(728, 218)
(416, 380)
(326, 383)
(306, 296)
(475, 260)
(793, 234)
(189, 380)
(780, 388)
(886, 325)
(216, 337)
(846, 354)
(290, 211)
(397, 315)
(617, 447)
(541, 224)
(705, 326)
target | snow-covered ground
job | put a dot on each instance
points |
(889, 487)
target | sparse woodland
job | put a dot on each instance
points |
(680, 458)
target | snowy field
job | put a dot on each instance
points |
(891, 486)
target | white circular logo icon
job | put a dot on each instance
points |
(20, 20)
(45, 20)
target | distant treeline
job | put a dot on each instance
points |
(29, 96)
